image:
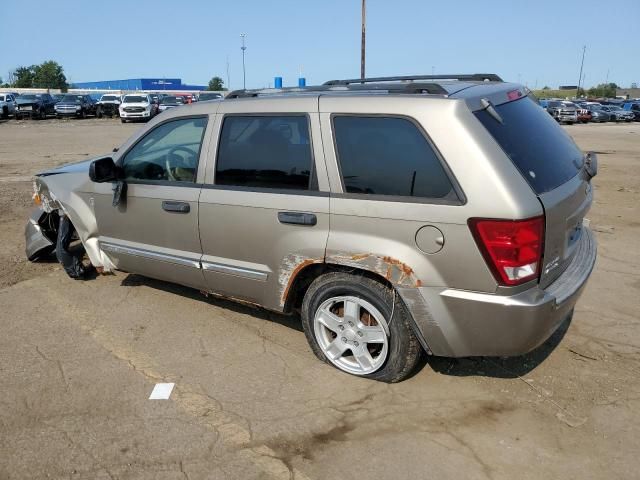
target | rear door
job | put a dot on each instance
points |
(552, 164)
(264, 209)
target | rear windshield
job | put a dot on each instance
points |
(543, 152)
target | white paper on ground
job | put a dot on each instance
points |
(162, 391)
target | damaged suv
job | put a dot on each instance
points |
(398, 215)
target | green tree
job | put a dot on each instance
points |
(23, 77)
(607, 90)
(216, 84)
(546, 87)
(50, 75)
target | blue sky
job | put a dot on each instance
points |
(538, 43)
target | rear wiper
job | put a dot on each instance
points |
(486, 104)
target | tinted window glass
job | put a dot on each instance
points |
(543, 152)
(388, 156)
(265, 151)
(169, 152)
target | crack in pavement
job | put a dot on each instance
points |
(232, 434)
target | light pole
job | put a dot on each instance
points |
(244, 75)
(584, 49)
(363, 42)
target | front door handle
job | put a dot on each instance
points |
(297, 218)
(176, 207)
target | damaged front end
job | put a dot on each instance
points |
(64, 221)
(40, 234)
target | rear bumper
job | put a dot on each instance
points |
(460, 323)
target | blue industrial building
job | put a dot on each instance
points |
(155, 84)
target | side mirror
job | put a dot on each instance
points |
(103, 170)
(591, 164)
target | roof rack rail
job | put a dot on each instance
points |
(475, 77)
(412, 87)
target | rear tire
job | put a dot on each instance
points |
(360, 347)
(123, 120)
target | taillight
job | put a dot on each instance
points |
(511, 248)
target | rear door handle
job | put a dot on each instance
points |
(176, 207)
(297, 218)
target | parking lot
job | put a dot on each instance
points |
(78, 361)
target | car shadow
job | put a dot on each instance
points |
(500, 367)
(495, 367)
(291, 321)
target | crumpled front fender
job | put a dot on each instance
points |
(69, 193)
(36, 242)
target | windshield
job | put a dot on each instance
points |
(544, 153)
(169, 100)
(135, 99)
(614, 108)
(108, 98)
(209, 96)
(29, 97)
(72, 98)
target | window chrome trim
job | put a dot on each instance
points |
(237, 271)
(140, 252)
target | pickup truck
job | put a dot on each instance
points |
(35, 105)
(7, 105)
(76, 106)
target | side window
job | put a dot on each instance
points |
(389, 156)
(169, 152)
(265, 151)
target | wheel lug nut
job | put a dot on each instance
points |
(355, 344)
(341, 327)
(351, 324)
(344, 339)
(359, 333)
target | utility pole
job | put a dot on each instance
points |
(584, 49)
(363, 41)
(228, 76)
(244, 74)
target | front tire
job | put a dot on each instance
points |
(360, 326)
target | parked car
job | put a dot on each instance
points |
(359, 209)
(618, 114)
(204, 96)
(136, 107)
(170, 102)
(58, 96)
(563, 111)
(73, 105)
(7, 105)
(633, 107)
(35, 105)
(584, 115)
(597, 114)
(110, 104)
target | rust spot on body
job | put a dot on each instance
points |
(390, 268)
(290, 276)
